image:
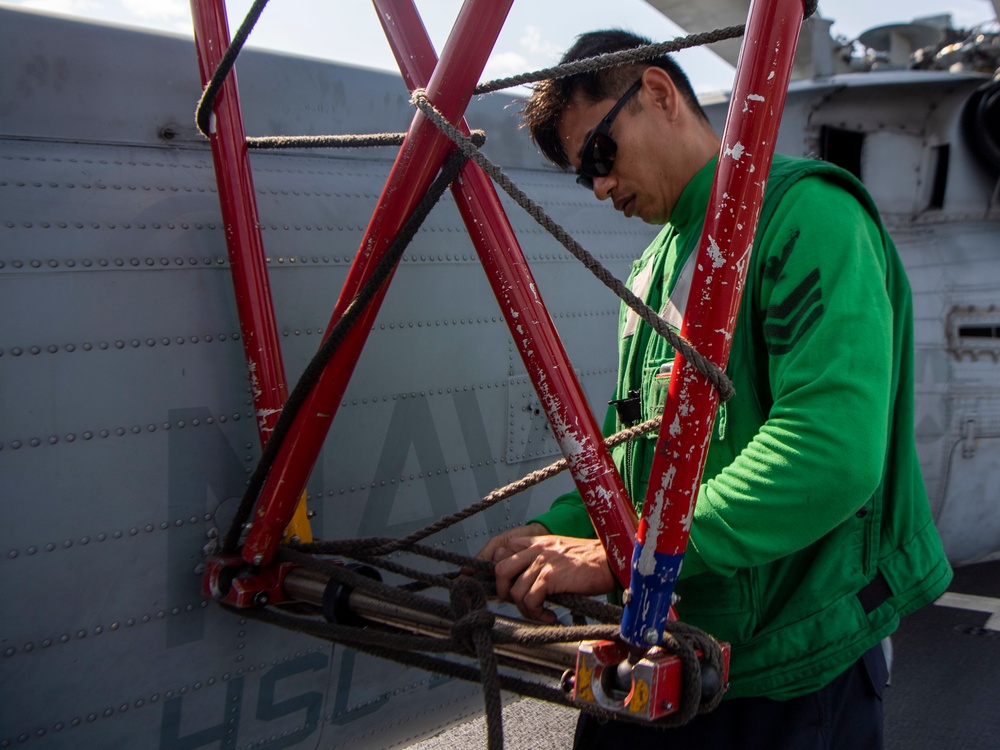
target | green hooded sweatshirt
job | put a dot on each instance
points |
(812, 532)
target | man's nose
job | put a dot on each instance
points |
(603, 186)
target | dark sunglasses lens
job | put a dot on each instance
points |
(597, 159)
(602, 154)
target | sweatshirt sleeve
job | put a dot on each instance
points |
(827, 329)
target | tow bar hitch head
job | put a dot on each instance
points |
(650, 690)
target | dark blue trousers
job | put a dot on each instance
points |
(844, 715)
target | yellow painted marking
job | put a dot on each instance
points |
(299, 525)
(584, 677)
(640, 698)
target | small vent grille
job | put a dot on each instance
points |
(974, 332)
(979, 332)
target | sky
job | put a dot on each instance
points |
(534, 36)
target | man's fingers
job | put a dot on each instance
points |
(530, 568)
(509, 568)
(530, 591)
(488, 551)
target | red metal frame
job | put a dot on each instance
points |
(657, 680)
(724, 251)
(748, 142)
(450, 87)
(419, 159)
(529, 322)
(228, 579)
(247, 260)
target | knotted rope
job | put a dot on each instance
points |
(474, 630)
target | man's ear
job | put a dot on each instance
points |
(660, 92)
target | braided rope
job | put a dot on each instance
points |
(339, 331)
(203, 113)
(520, 485)
(701, 363)
(613, 59)
(371, 140)
(624, 57)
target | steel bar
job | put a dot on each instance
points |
(308, 586)
(531, 327)
(724, 253)
(423, 151)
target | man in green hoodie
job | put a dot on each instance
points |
(812, 533)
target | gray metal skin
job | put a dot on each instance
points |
(126, 430)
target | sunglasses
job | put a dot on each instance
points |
(598, 154)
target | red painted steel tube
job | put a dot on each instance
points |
(724, 253)
(239, 216)
(541, 349)
(424, 149)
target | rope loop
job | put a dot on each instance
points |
(469, 626)
(473, 631)
(467, 595)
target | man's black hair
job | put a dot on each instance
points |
(551, 97)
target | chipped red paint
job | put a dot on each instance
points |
(450, 86)
(723, 256)
(531, 327)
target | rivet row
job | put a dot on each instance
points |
(115, 626)
(106, 225)
(161, 262)
(71, 437)
(317, 194)
(116, 162)
(178, 262)
(438, 323)
(105, 536)
(87, 346)
(219, 261)
(587, 314)
(102, 185)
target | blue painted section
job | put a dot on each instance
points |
(651, 594)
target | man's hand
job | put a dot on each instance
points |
(530, 568)
(502, 540)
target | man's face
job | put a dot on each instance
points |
(641, 181)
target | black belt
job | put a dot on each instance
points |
(874, 594)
